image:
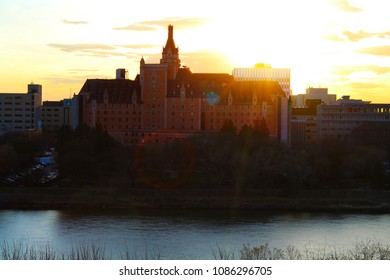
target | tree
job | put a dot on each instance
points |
(87, 153)
(8, 159)
(261, 127)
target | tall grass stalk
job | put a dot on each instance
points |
(94, 250)
(368, 250)
(24, 250)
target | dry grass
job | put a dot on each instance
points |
(24, 250)
(368, 250)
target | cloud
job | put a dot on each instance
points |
(334, 37)
(344, 5)
(377, 50)
(356, 36)
(81, 47)
(64, 80)
(77, 70)
(178, 22)
(74, 22)
(369, 89)
(102, 50)
(202, 60)
(364, 85)
(136, 27)
(348, 70)
(97, 50)
(139, 46)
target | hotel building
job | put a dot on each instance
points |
(167, 101)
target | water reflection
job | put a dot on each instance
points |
(191, 234)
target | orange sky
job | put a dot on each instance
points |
(340, 44)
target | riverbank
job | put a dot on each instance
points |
(23, 250)
(54, 197)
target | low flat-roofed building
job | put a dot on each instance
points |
(56, 114)
(21, 111)
(340, 120)
(312, 93)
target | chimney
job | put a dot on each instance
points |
(122, 74)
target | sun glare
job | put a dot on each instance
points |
(310, 37)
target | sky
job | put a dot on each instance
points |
(343, 45)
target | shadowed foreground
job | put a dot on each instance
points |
(23, 250)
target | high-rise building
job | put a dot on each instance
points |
(21, 111)
(264, 72)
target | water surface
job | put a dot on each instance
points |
(185, 234)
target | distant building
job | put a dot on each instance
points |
(56, 114)
(304, 125)
(264, 72)
(312, 93)
(167, 102)
(21, 111)
(338, 121)
(303, 120)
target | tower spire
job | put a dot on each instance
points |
(170, 32)
(170, 44)
(170, 55)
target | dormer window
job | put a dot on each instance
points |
(183, 93)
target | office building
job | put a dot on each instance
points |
(21, 111)
(56, 114)
(264, 72)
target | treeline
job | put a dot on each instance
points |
(90, 154)
(18, 150)
(230, 160)
(245, 161)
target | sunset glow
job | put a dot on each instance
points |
(340, 44)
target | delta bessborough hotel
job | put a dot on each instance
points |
(166, 101)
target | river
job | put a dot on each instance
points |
(190, 234)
